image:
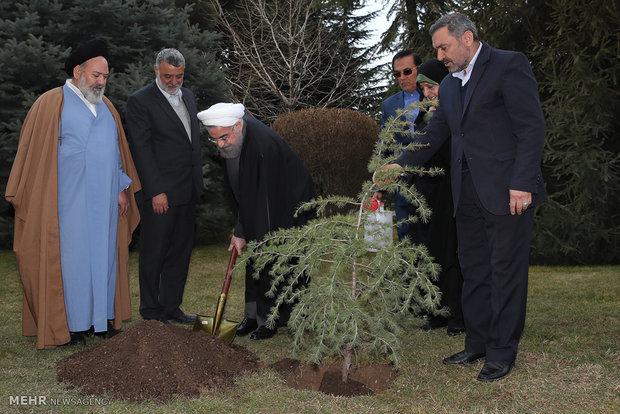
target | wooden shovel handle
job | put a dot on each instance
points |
(231, 265)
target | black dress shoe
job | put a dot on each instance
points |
(247, 326)
(111, 331)
(77, 339)
(455, 331)
(463, 357)
(494, 371)
(105, 334)
(434, 323)
(262, 332)
(182, 319)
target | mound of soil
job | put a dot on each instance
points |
(152, 360)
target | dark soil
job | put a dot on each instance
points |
(364, 379)
(332, 384)
(152, 360)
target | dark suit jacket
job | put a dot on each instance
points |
(500, 129)
(273, 182)
(166, 160)
(389, 108)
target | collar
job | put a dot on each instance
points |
(465, 74)
(91, 106)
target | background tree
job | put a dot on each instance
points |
(285, 55)
(576, 64)
(37, 36)
(573, 47)
(410, 20)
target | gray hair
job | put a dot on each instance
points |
(171, 56)
(457, 24)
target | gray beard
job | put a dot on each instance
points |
(233, 151)
(89, 91)
(164, 88)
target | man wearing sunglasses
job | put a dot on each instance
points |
(405, 69)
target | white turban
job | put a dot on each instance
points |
(222, 114)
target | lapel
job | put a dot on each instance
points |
(165, 106)
(476, 74)
(396, 104)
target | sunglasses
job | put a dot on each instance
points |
(406, 72)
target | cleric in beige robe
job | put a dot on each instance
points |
(33, 190)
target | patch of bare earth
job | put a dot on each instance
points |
(152, 360)
(365, 379)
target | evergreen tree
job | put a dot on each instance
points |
(37, 36)
(509, 25)
(356, 299)
(411, 20)
(577, 68)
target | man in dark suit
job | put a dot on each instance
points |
(491, 111)
(405, 69)
(164, 137)
(267, 183)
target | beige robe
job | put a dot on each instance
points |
(32, 189)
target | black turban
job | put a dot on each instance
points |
(88, 50)
(432, 71)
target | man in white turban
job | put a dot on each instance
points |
(267, 182)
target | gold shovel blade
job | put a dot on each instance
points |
(227, 329)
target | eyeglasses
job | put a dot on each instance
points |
(224, 138)
(406, 72)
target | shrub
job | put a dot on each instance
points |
(334, 144)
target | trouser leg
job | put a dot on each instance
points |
(494, 257)
(176, 264)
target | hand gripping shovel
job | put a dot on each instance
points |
(223, 328)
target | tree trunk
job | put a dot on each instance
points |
(346, 364)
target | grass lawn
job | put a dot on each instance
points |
(569, 359)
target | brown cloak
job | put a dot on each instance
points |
(33, 190)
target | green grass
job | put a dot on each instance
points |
(569, 359)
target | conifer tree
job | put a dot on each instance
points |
(577, 69)
(355, 298)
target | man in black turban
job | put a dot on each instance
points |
(72, 185)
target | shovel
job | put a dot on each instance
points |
(217, 326)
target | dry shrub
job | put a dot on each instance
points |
(334, 144)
